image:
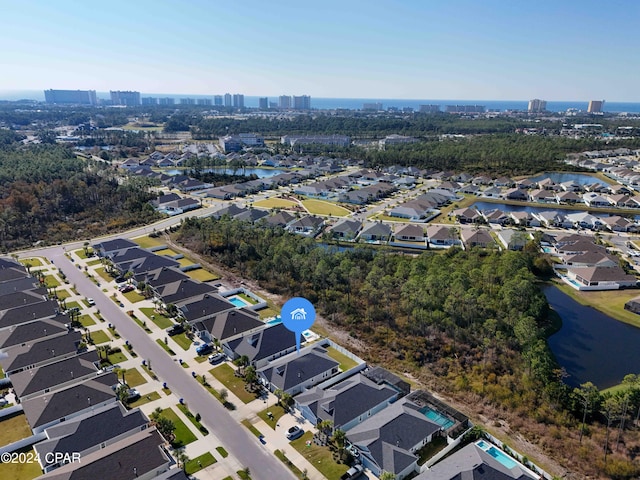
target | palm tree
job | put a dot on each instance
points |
(339, 436)
(224, 394)
(182, 458)
(325, 426)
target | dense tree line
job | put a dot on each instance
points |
(470, 323)
(48, 194)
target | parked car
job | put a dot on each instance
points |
(91, 301)
(127, 288)
(294, 432)
(353, 472)
(216, 357)
(204, 349)
(175, 330)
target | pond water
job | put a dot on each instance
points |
(260, 172)
(578, 178)
(592, 346)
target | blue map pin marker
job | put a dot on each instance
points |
(298, 315)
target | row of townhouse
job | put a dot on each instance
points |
(67, 398)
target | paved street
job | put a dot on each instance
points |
(236, 439)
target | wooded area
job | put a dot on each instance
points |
(471, 324)
(48, 194)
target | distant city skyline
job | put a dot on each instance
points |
(463, 49)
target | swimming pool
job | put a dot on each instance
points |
(237, 301)
(498, 454)
(442, 420)
(274, 321)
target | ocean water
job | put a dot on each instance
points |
(357, 103)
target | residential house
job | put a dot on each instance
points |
(28, 332)
(600, 278)
(441, 236)
(568, 197)
(376, 232)
(262, 346)
(472, 237)
(308, 226)
(111, 247)
(470, 189)
(524, 219)
(492, 192)
(159, 277)
(495, 216)
(591, 258)
(616, 223)
(594, 200)
(388, 440)
(542, 196)
(34, 312)
(410, 233)
(229, 210)
(280, 219)
(50, 408)
(88, 433)
(513, 239)
(54, 376)
(253, 215)
(585, 220)
(347, 403)
(180, 206)
(346, 229)
(298, 371)
(183, 290)
(553, 218)
(467, 215)
(227, 325)
(141, 455)
(41, 352)
(516, 194)
(504, 182)
(476, 462)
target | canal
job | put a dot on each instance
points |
(591, 346)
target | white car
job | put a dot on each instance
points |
(216, 357)
(91, 301)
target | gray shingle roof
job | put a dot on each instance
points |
(47, 376)
(33, 331)
(210, 304)
(44, 350)
(91, 430)
(293, 370)
(30, 313)
(265, 343)
(46, 408)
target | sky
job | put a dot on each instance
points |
(405, 49)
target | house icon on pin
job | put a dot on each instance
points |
(298, 314)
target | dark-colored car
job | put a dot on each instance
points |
(175, 330)
(127, 288)
(204, 349)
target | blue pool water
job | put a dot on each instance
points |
(443, 421)
(496, 453)
(547, 249)
(274, 321)
(238, 302)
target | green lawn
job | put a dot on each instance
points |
(133, 296)
(610, 302)
(21, 471)
(166, 251)
(32, 262)
(320, 207)
(99, 336)
(51, 281)
(103, 274)
(134, 377)
(246, 297)
(223, 453)
(183, 436)
(86, 320)
(198, 463)
(346, 363)
(182, 340)
(225, 375)
(160, 320)
(91, 263)
(319, 457)
(165, 347)
(141, 324)
(283, 458)
(13, 428)
(276, 411)
(192, 419)
(251, 428)
(268, 312)
(243, 475)
(147, 241)
(81, 253)
(71, 305)
(62, 294)
(202, 275)
(1, 373)
(145, 399)
(185, 262)
(275, 203)
(117, 357)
